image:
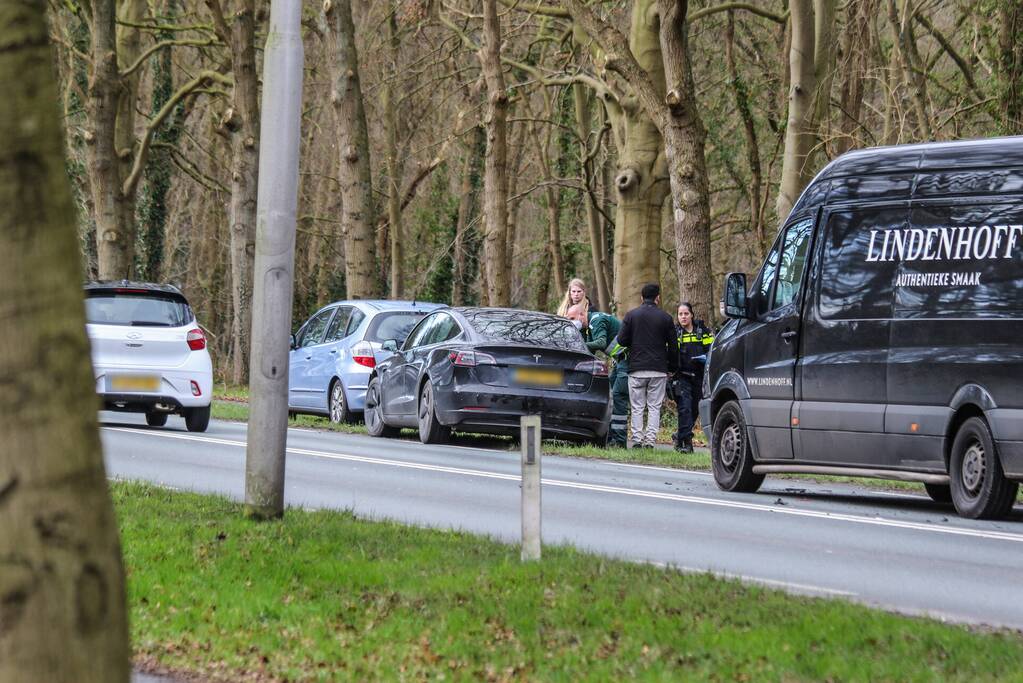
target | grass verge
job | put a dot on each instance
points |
(323, 596)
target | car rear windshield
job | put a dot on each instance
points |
(138, 309)
(521, 327)
(394, 326)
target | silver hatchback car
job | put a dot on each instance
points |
(334, 351)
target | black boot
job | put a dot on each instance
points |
(687, 446)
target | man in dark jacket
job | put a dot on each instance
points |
(649, 334)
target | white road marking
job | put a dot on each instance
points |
(598, 488)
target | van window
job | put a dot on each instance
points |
(761, 293)
(961, 260)
(793, 262)
(854, 283)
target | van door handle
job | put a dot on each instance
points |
(788, 334)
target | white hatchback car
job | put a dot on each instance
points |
(148, 352)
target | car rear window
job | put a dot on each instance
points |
(137, 309)
(521, 327)
(394, 326)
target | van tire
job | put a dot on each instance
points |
(939, 493)
(979, 487)
(731, 455)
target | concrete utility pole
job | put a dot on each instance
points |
(275, 262)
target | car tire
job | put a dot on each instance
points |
(939, 493)
(374, 415)
(337, 404)
(197, 419)
(978, 484)
(156, 418)
(430, 428)
(731, 455)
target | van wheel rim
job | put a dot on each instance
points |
(337, 402)
(731, 447)
(973, 468)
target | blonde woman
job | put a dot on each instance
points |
(575, 296)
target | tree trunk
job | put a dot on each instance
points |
(905, 51)
(394, 167)
(62, 602)
(242, 122)
(357, 215)
(495, 178)
(554, 260)
(823, 67)
(582, 122)
(109, 147)
(470, 170)
(754, 189)
(1010, 65)
(799, 135)
(856, 47)
(684, 137)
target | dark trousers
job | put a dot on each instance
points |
(619, 432)
(687, 397)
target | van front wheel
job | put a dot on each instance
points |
(731, 455)
(979, 487)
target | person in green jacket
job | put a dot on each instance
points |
(600, 332)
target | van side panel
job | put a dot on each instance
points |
(842, 369)
(958, 316)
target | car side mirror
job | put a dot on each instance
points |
(734, 303)
(390, 345)
(294, 343)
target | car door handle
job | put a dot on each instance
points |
(333, 350)
(788, 334)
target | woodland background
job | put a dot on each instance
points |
(644, 140)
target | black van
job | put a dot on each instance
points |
(883, 336)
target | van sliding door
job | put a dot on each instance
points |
(843, 361)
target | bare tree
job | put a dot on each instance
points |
(62, 603)
(357, 205)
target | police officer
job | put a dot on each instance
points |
(694, 340)
(600, 332)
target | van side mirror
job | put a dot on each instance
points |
(734, 304)
(390, 345)
(294, 343)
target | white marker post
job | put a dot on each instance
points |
(530, 439)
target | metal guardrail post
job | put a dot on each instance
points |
(530, 439)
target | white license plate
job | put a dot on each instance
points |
(134, 383)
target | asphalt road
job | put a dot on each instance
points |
(897, 551)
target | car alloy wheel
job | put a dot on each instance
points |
(430, 429)
(374, 415)
(338, 407)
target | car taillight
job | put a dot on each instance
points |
(597, 368)
(196, 339)
(363, 355)
(470, 359)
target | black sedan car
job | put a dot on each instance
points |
(481, 369)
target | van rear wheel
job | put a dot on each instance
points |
(979, 487)
(731, 456)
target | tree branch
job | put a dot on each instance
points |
(131, 182)
(730, 6)
(545, 10)
(159, 46)
(951, 51)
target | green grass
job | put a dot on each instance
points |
(323, 596)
